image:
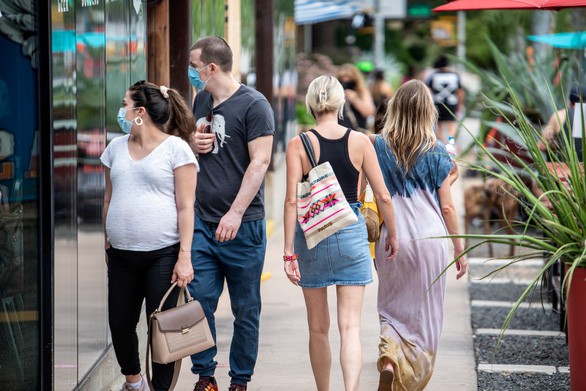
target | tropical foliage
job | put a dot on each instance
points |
(539, 87)
(554, 201)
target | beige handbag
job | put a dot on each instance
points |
(177, 332)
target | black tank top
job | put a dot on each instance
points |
(336, 152)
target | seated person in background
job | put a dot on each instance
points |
(562, 118)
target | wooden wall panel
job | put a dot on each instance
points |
(169, 41)
(158, 42)
(264, 56)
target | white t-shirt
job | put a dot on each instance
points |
(142, 215)
(579, 110)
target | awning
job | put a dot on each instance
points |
(475, 5)
(310, 12)
(573, 40)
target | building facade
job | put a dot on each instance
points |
(67, 64)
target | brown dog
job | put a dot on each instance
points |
(492, 197)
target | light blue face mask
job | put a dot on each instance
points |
(124, 123)
(193, 75)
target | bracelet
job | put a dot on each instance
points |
(289, 258)
(184, 251)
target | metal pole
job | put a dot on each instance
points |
(379, 36)
(461, 48)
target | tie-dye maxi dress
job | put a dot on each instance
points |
(410, 306)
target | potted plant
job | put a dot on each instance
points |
(551, 187)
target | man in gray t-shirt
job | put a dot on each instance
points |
(235, 128)
(235, 122)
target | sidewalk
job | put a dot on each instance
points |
(283, 361)
(455, 368)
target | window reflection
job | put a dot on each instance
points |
(64, 177)
(91, 109)
(98, 47)
(19, 264)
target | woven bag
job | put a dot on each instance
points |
(322, 208)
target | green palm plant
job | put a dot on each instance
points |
(535, 93)
(532, 85)
(554, 200)
(557, 211)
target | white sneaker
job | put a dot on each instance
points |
(143, 387)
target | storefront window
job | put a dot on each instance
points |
(19, 258)
(98, 50)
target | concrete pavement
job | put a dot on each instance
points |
(283, 361)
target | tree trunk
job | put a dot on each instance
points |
(578, 19)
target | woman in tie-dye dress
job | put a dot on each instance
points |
(415, 167)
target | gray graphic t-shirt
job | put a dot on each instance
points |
(444, 86)
(243, 117)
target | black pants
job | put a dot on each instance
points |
(132, 277)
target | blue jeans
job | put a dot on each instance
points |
(239, 262)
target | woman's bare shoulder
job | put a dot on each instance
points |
(294, 143)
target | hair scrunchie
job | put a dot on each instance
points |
(164, 92)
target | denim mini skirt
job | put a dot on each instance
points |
(340, 259)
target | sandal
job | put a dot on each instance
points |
(385, 382)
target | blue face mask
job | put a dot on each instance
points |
(193, 75)
(124, 123)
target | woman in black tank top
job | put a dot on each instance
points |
(342, 259)
(336, 152)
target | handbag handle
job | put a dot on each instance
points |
(183, 291)
(308, 148)
(177, 367)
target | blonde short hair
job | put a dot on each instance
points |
(325, 95)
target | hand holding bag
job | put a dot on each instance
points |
(322, 208)
(177, 332)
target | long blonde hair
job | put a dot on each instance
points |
(409, 123)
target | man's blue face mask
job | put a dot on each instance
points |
(194, 79)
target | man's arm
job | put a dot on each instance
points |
(260, 151)
(461, 99)
(551, 130)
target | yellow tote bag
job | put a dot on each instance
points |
(371, 215)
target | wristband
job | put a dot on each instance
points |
(289, 258)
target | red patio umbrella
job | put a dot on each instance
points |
(474, 5)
